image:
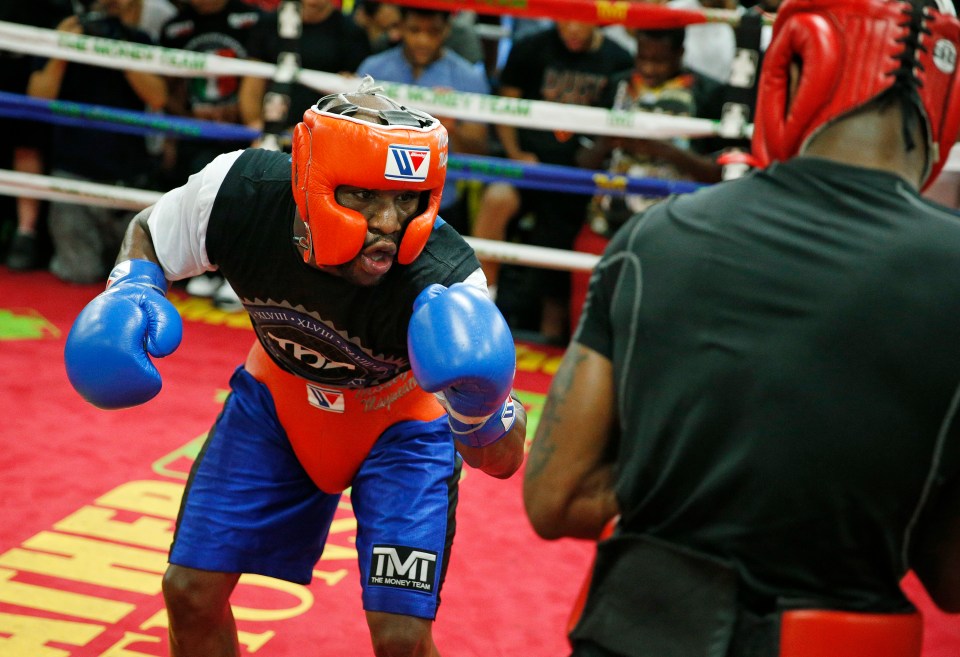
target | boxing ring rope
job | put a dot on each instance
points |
(15, 183)
(629, 13)
(536, 114)
(546, 177)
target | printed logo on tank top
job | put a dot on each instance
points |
(310, 348)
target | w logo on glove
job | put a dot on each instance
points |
(508, 414)
(485, 432)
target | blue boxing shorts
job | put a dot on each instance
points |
(249, 506)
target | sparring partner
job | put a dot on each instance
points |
(764, 386)
(364, 303)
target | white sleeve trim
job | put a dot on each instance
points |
(179, 220)
(478, 280)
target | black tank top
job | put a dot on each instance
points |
(313, 324)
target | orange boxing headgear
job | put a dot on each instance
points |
(407, 150)
(850, 52)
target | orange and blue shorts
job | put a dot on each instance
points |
(264, 490)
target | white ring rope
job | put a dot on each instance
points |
(523, 113)
(49, 188)
(14, 183)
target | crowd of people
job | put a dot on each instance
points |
(562, 61)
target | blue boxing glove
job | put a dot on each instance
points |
(106, 350)
(462, 350)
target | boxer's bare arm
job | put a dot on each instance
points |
(137, 242)
(568, 487)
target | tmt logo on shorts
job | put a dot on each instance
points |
(403, 568)
(410, 163)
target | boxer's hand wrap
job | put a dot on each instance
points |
(461, 349)
(482, 431)
(106, 353)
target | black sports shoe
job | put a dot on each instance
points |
(23, 255)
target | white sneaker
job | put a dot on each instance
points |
(204, 285)
(226, 299)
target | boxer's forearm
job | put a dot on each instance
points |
(137, 242)
(504, 457)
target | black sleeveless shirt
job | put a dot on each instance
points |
(314, 324)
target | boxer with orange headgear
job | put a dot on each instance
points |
(763, 386)
(380, 365)
(331, 148)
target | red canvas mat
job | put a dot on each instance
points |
(89, 498)
(88, 501)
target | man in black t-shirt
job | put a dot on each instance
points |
(570, 62)
(329, 41)
(761, 395)
(216, 27)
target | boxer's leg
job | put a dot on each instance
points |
(404, 498)
(249, 507)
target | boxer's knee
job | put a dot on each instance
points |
(395, 635)
(197, 597)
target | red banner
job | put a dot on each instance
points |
(601, 12)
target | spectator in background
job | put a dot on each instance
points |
(329, 42)
(709, 48)
(217, 27)
(381, 22)
(464, 39)
(570, 62)
(24, 144)
(154, 14)
(85, 238)
(658, 83)
(421, 59)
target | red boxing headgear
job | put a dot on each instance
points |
(850, 52)
(332, 148)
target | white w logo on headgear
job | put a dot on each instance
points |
(409, 163)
